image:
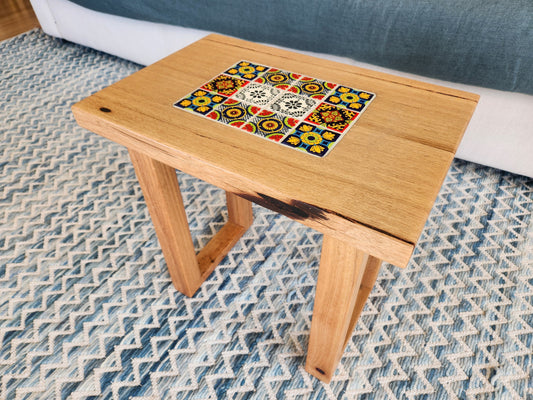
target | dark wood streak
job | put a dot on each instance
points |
(295, 209)
(300, 211)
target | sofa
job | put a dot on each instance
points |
(481, 46)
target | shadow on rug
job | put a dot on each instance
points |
(87, 309)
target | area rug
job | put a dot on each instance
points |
(87, 309)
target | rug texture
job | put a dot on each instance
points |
(87, 309)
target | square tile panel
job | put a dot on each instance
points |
(200, 101)
(256, 93)
(312, 87)
(311, 139)
(278, 78)
(305, 113)
(246, 70)
(225, 84)
(270, 125)
(350, 98)
(233, 112)
(293, 105)
(332, 117)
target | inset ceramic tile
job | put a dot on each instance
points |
(332, 117)
(270, 125)
(298, 111)
(312, 139)
(278, 78)
(224, 84)
(293, 105)
(246, 70)
(313, 88)
(350, 98)
(200, 101)
(233, 112)
(256, 93)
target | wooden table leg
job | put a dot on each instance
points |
(163, 197)
(345, 279)
(240, 217)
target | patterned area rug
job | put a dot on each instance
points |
(87, 309)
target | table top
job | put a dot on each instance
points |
(375, 188)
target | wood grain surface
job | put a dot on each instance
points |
(343, 272)
(16, 17)
(375, 189)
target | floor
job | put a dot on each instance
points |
(16, 16)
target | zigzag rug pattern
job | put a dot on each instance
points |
(87, 309)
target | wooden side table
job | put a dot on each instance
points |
(370, 196)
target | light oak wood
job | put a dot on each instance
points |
(16, 17)
(163, 197)
(240, 218)
(370, 196)
(344, 276)
(370, 275)
(165, 204)
(240, 178)
(385, 173)
(239, 210)
(9, 7)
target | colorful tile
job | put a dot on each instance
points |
(313, 88)
(312, 139)
(270, 125)
(350, 98)
(332, 117)
(256, 93)
(200, 101)
(224, 84)
(246, 70)
(293, 105)
(305, 113)
(233, 112)
(278, 78)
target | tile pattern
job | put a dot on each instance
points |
(258, 94)
(293, 105)
(313, 87)
(271, 125)
(350, 98)
(224, 84)
(332, 117)
(246, 70)
(278, 78)
(233, 112)
(200, 101)
(298, 111)
(310, 138)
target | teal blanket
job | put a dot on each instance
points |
(478, 42)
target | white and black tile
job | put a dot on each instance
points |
(293, 105)
(258, 94)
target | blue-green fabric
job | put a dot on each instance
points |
(479, 42)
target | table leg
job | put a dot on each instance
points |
(345, 279)
(163, 197)
(240, 218)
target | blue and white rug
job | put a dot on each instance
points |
(87, 309)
